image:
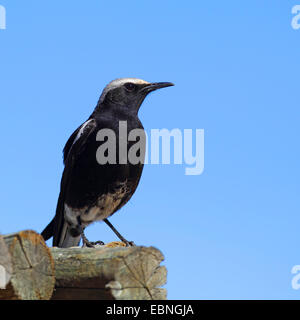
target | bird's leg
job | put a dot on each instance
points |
(86, 242)
(128, 243)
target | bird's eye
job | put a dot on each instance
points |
(130, 86)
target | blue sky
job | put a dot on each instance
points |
(230, 233)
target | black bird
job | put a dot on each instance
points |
(90, 191)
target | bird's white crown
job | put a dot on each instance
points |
(118, 83)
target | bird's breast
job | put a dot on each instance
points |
(106, 204)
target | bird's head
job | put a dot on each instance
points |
(128, 93)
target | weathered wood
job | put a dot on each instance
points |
(5, 264)
(32, 267)
(105, 272)
(108, 272)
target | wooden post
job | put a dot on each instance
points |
(30, 270)
(26, 258)
(103, 272)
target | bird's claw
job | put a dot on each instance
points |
(92, 244)
(129, 243)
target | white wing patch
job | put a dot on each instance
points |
(80, 132)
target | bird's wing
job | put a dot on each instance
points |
(76, 135)
(73, 148)
(73, 151)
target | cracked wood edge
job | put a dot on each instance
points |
(32, 267)
(5, 264)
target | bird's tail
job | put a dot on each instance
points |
(48, 232)
(63, 235)
(67, 238)
(64, 239)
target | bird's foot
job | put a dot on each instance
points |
(90, 244)
(85, 241)
(128, 243)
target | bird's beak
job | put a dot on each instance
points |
(157, 85)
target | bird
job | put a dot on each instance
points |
(91, 191)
